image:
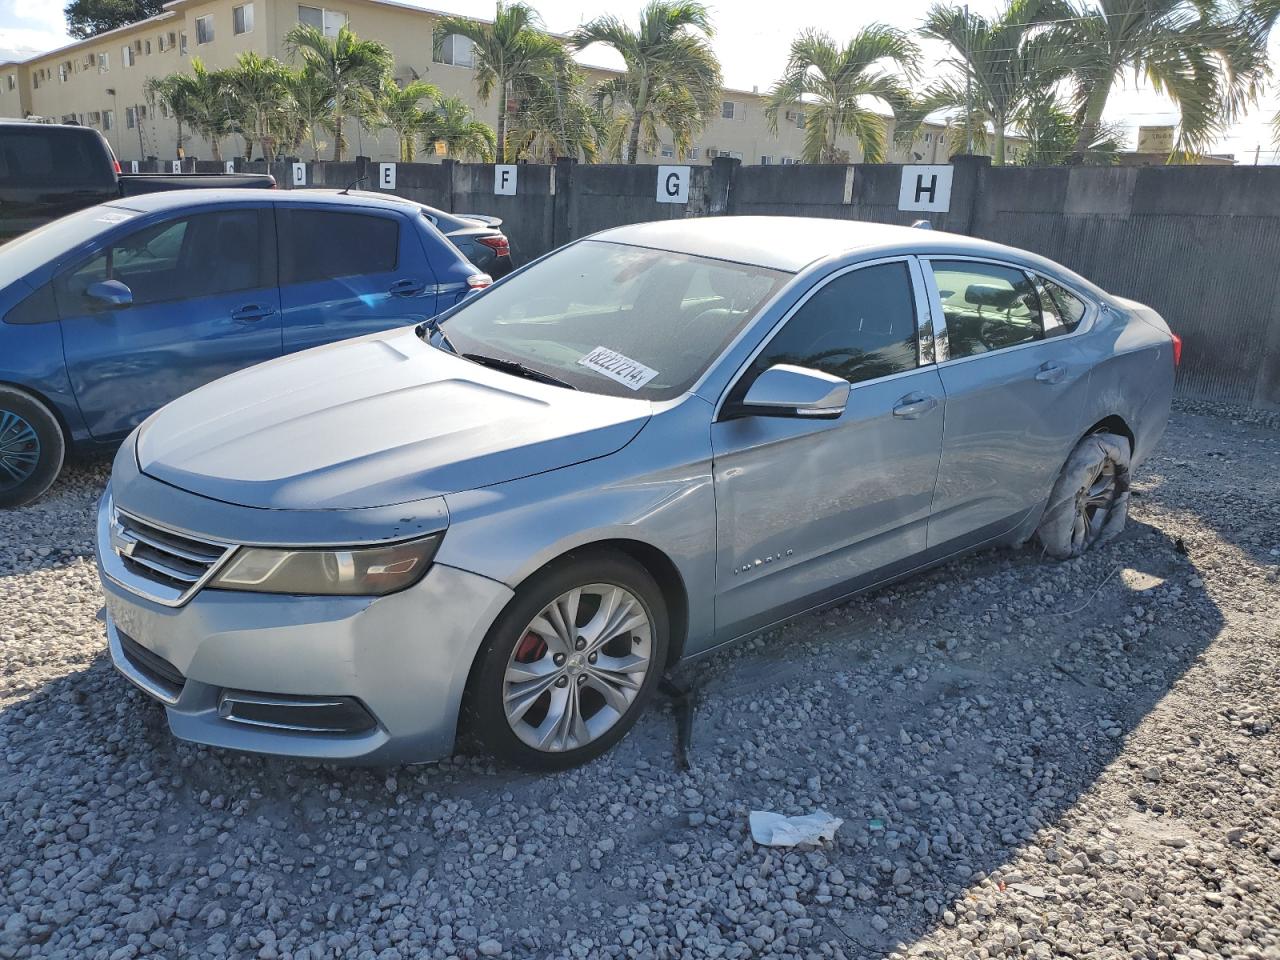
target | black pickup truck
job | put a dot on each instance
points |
(48, 170)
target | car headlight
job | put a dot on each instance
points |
(354, 571)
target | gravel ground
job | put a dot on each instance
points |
(1030, 758)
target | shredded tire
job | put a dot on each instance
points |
(1073, 522)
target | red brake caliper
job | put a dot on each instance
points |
(531, 648)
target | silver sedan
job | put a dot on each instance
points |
(652, 442)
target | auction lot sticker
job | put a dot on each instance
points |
(632, 374)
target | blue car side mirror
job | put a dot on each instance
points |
(110, 293)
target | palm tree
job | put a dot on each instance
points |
(1050, 130)
(397, 108)
(310, 105)
(672, 77)
(452, 124)
(832, 86)
(259, 99)
(1003, 62)
(1196, 52)
(171, 93)
(512, 53)
(554, 118)
(353, 68)
(199, 100)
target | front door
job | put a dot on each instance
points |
(345, 273)
(810, 510)
(205, 304)
(1016, 389)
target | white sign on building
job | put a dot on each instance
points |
(299, 174)
(673, 184)
(926, 187)
(386, 176)
(504, 179)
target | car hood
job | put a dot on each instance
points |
(380, 420)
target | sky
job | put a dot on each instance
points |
(751, 41)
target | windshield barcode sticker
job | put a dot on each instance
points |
(630, 373)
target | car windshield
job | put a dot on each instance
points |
(615, 319)
(31, 250)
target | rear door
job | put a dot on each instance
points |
(205, 304)
(348, 271)
(1016, 385)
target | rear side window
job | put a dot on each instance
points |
(860, 326)
(49, 156)
(987, 306)
(1060, 309)
(321, 245)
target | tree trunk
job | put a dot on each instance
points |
(642, 104)
(1094, 104)
(339, 138)
(502, 126)
(248, 148)
(215, 144)
(997, 149)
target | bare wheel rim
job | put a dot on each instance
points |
(578, 667)
(1093, 504)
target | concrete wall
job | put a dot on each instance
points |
(1200, 244)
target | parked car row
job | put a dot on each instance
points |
(517, 514)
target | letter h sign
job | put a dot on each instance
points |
(926, 188)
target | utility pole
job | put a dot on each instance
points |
(968, 85)
(137, 122)
(1257, 154)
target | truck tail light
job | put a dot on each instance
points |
(116, 164)
(478, 281)
(1177, 349)
(497, 243)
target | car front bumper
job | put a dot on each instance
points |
(382, 677)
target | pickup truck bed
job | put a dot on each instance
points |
(48, 170)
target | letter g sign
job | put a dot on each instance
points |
(673, 184)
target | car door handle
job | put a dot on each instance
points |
(251, 313)
(407, 288)
(914, 406)
(1051, 372)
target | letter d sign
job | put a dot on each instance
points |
(673, 184)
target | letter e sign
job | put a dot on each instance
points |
(504, 179)
(386, 176)
(673, 184)
(926, 188)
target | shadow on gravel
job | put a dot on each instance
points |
(946, 720)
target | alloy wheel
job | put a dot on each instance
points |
(578, 667)
(19, 449)
(1094, 503)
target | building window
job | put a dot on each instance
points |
(242, 19)
(204, 29)
(329, 22)
(35, 81)
(182, 44)
(160, 42)
(173, 39)
(787, 161)
(728, 110)
(129, 118)
(765, 161)
(64, 71)
(691, 153)
(147, 48)
(12, 81)
(456, 50)
(126, 56)
(108, 119)
(668, 151)
(104, 62)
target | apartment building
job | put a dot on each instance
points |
(101, 82)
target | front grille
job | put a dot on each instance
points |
(152, 666)
(177, 563)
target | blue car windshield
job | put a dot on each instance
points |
(44, 244)
(615, 319)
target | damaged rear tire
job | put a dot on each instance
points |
(1090, 501)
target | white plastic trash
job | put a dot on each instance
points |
(775, 830)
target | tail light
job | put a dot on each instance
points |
(1177, 349)
(478, 281)
(497, 243)
(116, 164)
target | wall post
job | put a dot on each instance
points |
(562, 187)
(967, 180)
(724, 171)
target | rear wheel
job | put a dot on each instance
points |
(570, 663)
(31, 447)
(1090, 501)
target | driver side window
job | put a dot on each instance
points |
(859, 326)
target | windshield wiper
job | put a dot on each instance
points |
(519, 369)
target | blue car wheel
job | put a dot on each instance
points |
(31, 448)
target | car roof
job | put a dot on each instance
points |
(792, 243)
(175, 199)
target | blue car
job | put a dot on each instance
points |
(109, 313)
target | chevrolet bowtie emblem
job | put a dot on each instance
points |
(121, 542)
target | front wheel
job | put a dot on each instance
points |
(1090, 502)
(569, 665)
(31, 448)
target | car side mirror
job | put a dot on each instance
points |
(109, 293)
(789, 391)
